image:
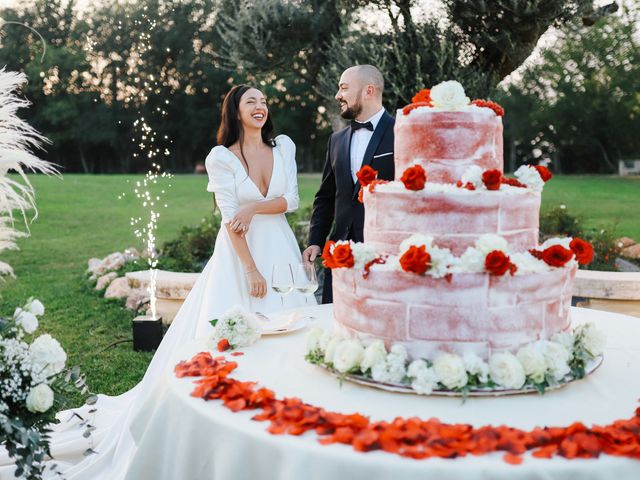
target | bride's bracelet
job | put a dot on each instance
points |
(251, 271)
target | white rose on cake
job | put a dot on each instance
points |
(557, 358)
(450, 370)
(472, 261)
(423, 378)
(591, 338)
(374, 353)
(489, 242)
(362, 254)
(506, 370)
(348, 355)
(315, 339)
(46, 356)
(449, 95)
(527, 263)
(476, 366)
(416, 240)
(442, 260)
(533, 362)
(530, 177)
(562, 241)
(331, 349)
(472, 174)
(40, 398)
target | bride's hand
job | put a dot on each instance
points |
(242, 219)
(257, 284)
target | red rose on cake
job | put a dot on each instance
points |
(423, 95)
(582, 250)
(342, 256)
(416, 260)
(492, 179)
(498, 263)
(544, 172)
(366, 175)
(555, 255)
(414, 178)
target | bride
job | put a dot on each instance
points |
(253, 178)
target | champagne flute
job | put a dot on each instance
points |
(282, 279)
(305, 280)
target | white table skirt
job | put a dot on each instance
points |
(187, 438)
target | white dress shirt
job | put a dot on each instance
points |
(359, 142)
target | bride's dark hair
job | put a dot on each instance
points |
(230, 130)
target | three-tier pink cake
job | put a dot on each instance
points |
(460, 306)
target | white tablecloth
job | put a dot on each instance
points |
(181, 437)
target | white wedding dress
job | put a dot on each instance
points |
(221, 285)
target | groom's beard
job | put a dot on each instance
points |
(352, 112)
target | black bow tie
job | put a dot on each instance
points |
(358, 125)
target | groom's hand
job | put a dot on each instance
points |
(311, 253)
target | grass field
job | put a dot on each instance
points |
(81, 217)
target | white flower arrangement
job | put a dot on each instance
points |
(449, 95)
(238, 326)
(32, 380)
(537, 365)
(363, 253)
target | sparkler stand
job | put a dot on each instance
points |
(147, 333)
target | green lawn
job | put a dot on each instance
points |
(81, 217)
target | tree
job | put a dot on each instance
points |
(579, 104)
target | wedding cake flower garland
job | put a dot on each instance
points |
(448, 96)
(410, 437)
(490, 255)
(539, 365)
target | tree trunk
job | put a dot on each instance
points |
(612, 167)
(83, 161)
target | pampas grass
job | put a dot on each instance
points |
(17, 141)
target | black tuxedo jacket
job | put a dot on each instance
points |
(336, 202)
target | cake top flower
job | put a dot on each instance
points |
(449, 95)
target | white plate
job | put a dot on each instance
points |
(278, 323)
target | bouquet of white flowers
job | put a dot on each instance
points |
(237, 327)
(32, 381)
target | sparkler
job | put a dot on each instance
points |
(149, 191)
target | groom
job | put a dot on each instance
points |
(368, 140)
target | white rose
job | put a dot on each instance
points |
(530, 177)
(312, 339)
(592, 339)
(472, 174)
(392, 370)
(27, 321)
(476, 366)
(348, 355)
(47, 356)
(423, 378)
(40, 398)
(562, 241)
(441, 261)
(472, 260)
(449, 95)
(557, 358)
(489, 242)
(506, 370)
(331, 349)
(35, 306)
(362, 254)
(527, 263)
(566, 339)
(375, 353)
(450, 370)
(533, 362)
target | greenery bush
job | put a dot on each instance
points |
(193, 247)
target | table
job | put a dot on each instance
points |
(187, 438)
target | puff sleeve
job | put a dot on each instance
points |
(288, 149)
(222, 182)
